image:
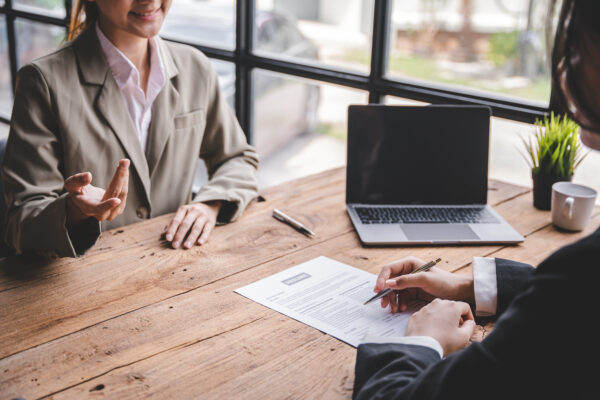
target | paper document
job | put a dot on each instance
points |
(329, 296)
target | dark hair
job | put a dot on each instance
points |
(577, 41)
(83, 15)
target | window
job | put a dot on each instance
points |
(290, 68)
(492, 47)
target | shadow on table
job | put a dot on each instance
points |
(24, 267)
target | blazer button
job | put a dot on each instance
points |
(142, 213)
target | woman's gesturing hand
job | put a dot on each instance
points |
(85, 200)
(192, 222)
(434, 283)
(451, 323)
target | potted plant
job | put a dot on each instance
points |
(553, 154)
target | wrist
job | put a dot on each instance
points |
(215, 205)
(75, 217)
(466, 289)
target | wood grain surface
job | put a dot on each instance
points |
(134, 318)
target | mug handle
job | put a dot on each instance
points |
(568, 211)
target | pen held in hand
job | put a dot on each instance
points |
(385, 292)
(278, 215)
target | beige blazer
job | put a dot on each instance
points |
(69, 117)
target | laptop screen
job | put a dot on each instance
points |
(417, 155)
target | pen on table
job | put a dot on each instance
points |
(385, 292)
(277, 214)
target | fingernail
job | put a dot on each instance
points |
(169, 237)
(390, 282)
(201, 241)
(188, 245)
(175, 244)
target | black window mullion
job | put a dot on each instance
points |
(379, 48)
(12, 43)
(376, 83)
(68, 8)
(243, 81)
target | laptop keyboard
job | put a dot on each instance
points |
(424, 215)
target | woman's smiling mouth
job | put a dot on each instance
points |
(146, 15)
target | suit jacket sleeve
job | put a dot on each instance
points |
(230, 161)
(33, 179)
(535, 350)
(511, 278)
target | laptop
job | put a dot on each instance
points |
(418, 175)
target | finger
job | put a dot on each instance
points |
(96, 209)
(208, 228)
(465, 311)
(384, 275)
(177, 219)
(467, 329)
(385, 301)
(394, 302)
(403, 300)
(398, 267)
(75, 183)
(123, 197)
(121, 175)
(184, 228)
(195, 232)
(418, 280)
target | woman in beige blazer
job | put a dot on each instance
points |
(71, 125)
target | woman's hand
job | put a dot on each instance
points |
(434, 283)
(85, 200)
(194, 223)
(451, 323)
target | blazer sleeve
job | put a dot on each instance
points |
(511, 278)
(33, 179)
(231, 162)
(536, 349)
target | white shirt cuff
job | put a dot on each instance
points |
(426, 341)
(485, 285)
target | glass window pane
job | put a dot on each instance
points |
(331, 32)
(226, 72)
(304, 134)
(508, 164)
(483, 45)
(6, 97)
(401, 101)
(35, 39)
(210, 22)
(52, 8)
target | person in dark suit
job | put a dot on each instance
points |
(542, 346)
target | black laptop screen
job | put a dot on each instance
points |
(417, 155)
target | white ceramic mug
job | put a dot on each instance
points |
(572, 205)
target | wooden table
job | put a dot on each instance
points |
(135, 318)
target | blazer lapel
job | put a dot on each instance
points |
(109, 102)
(163, 111)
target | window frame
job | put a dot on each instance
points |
(376, 83)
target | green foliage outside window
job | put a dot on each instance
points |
(504, 47)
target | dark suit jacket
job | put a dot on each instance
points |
(542, 346)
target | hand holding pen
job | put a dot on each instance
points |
(435, 283)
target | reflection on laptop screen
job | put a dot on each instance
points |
(417, 155)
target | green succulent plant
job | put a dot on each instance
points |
(555, 149)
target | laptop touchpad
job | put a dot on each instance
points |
(438, 232)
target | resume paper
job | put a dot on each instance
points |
(329, 295)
